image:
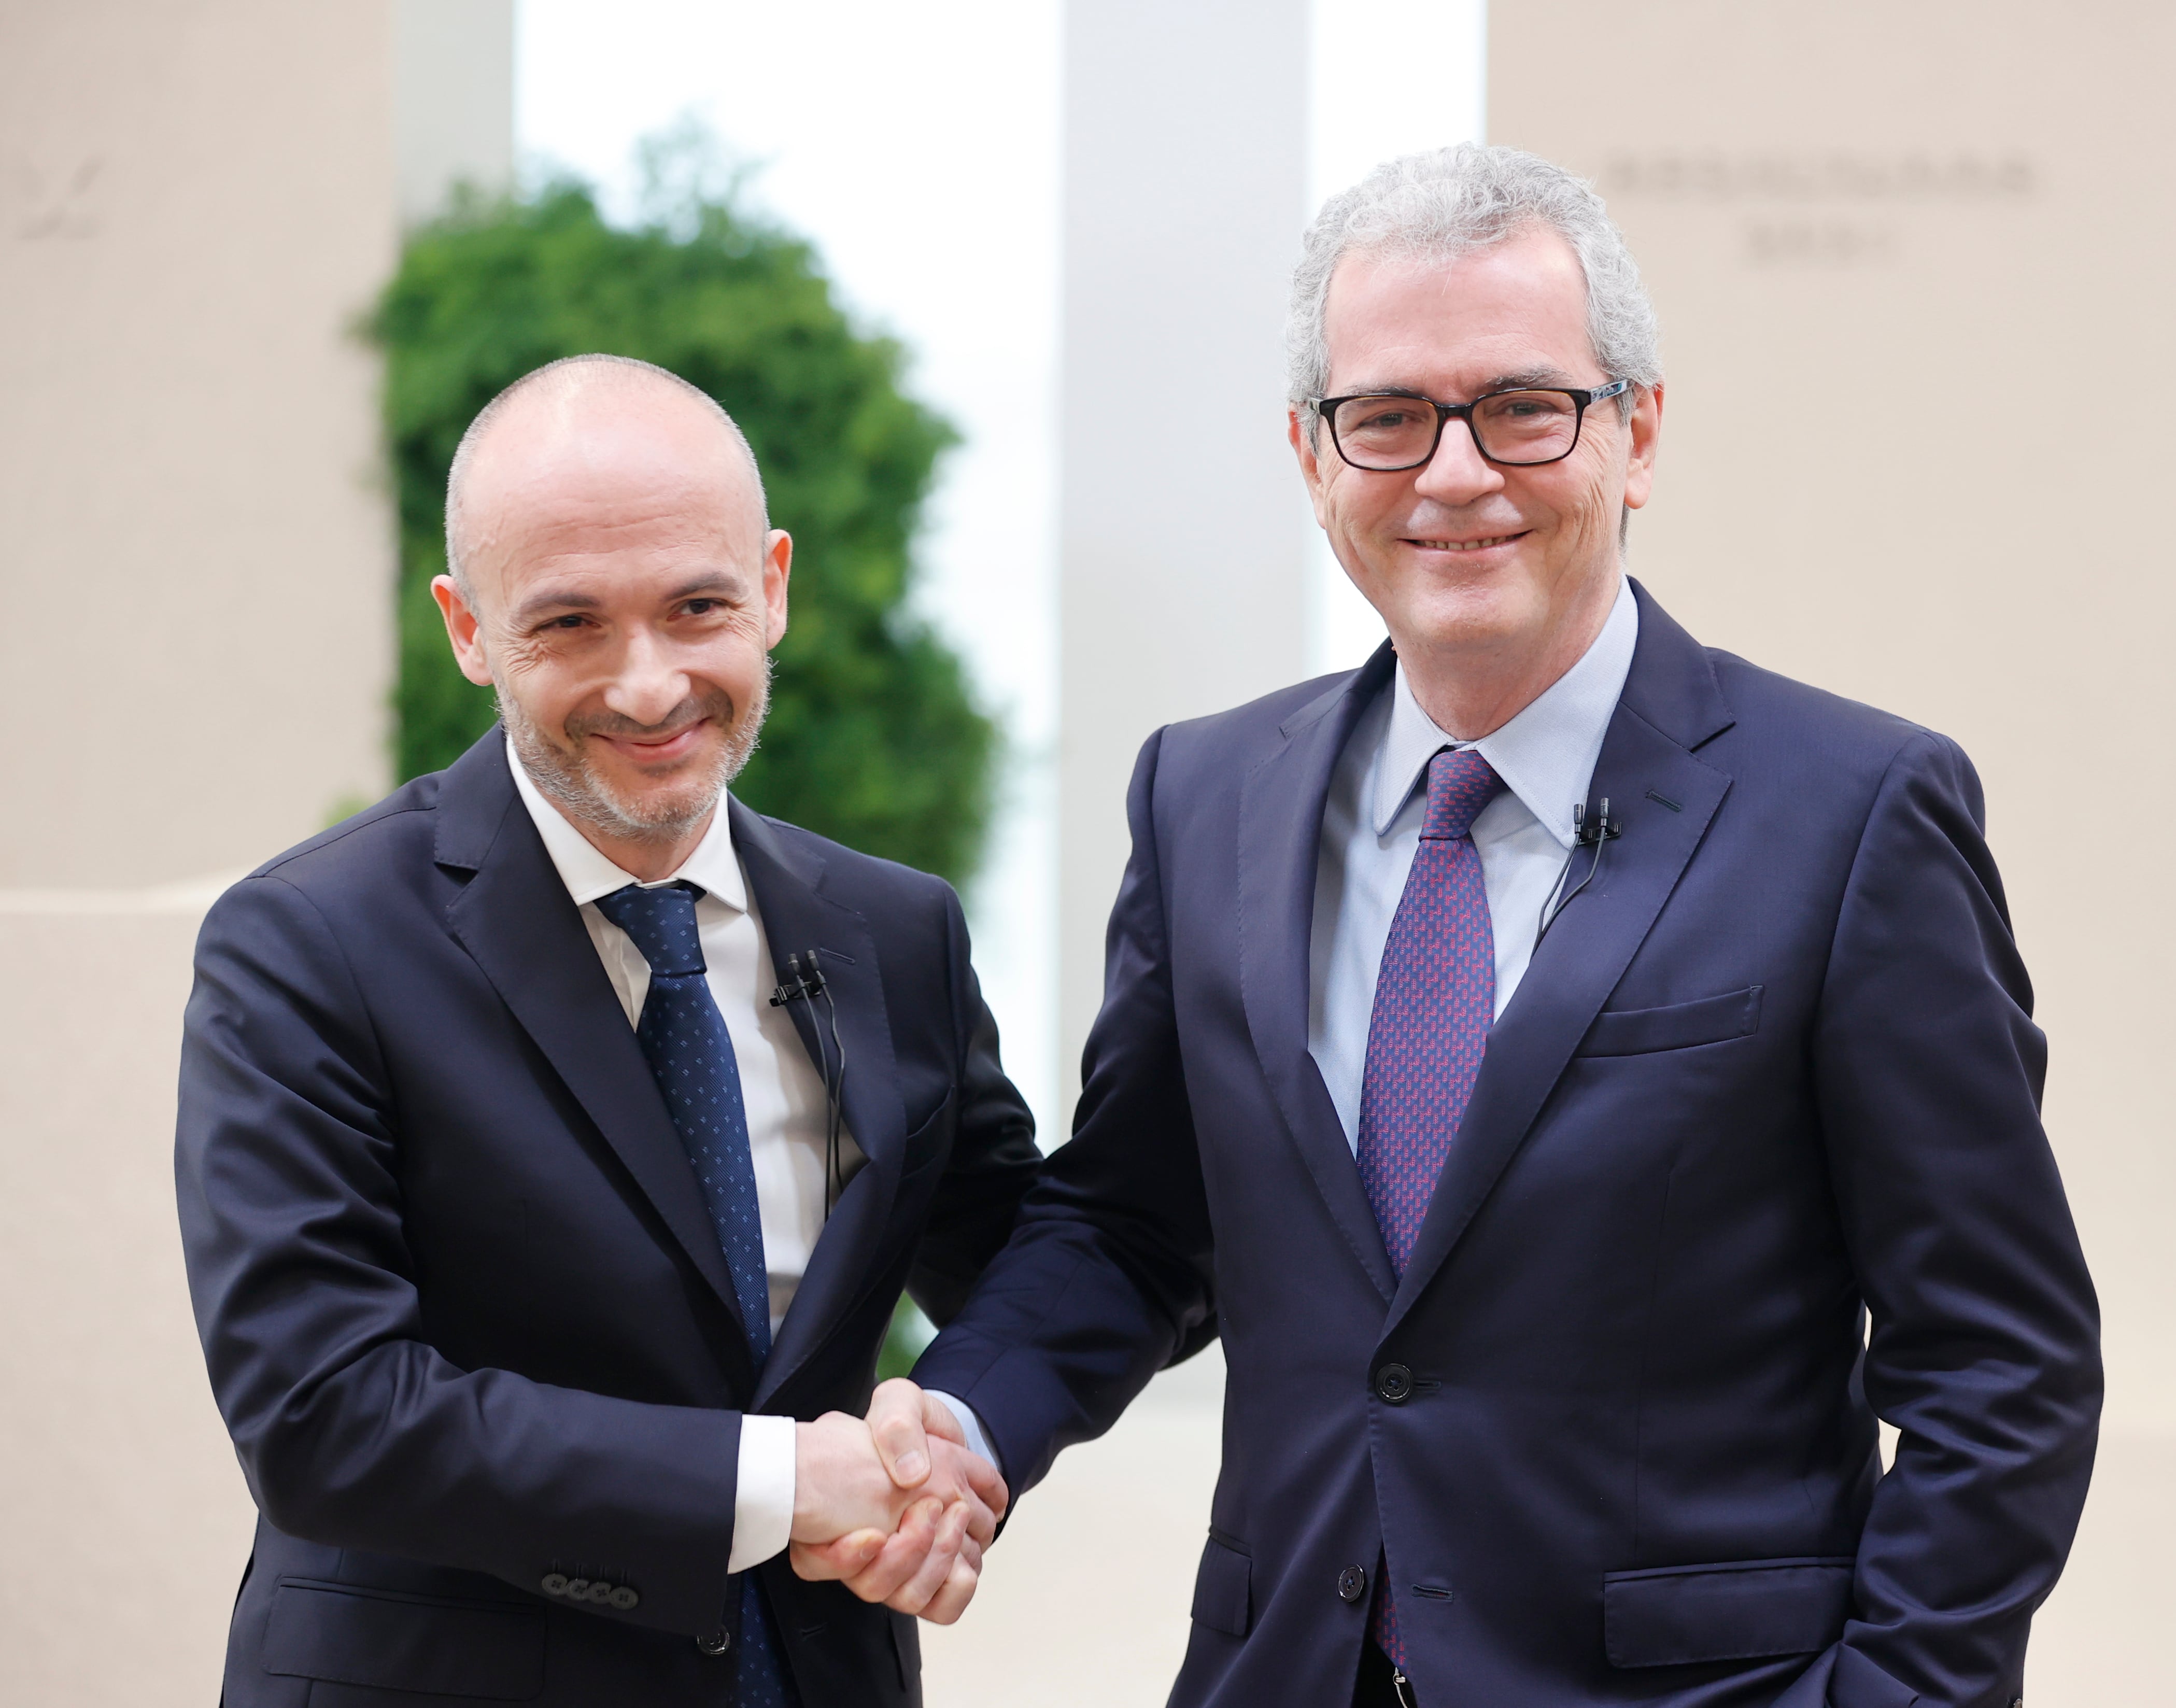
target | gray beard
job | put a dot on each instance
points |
(569, 782)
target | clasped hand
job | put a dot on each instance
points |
(894, 1506)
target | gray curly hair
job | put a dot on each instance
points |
(1449, 202)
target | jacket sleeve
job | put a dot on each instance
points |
(993, 1159)
(1984, 1349)
(351, 1429)
(1107, 1276)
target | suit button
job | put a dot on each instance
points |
(625, 1599)
(599, 1592)
(715, 1642)
(1395, 1383)
(555, 1584)
(1352, 1584)
(577, 1588)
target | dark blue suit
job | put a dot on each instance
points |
(1770, 1076)
(464, 1310)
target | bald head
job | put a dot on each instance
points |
(615, 579)
(580, 426)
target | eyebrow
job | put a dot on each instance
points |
(713, 584)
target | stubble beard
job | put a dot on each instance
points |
(570, 782)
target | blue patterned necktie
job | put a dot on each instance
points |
(684, 1036)
(1435, 999)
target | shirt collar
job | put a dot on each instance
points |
(1545, 755)
(713, 868)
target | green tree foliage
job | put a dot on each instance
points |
(873, 738)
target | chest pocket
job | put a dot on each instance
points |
(1680, 1027)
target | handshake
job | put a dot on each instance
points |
(894, 1506)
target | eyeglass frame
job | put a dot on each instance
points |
(1583, 399)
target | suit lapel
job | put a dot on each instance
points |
(785, 887)
(1280, 807)
(516, 919)
(1670, 705)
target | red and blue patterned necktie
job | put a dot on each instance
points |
(1435, 998)
(683, 1037)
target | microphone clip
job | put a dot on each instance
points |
(802, 985)
(1604, 829)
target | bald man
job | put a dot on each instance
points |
(556, 1138)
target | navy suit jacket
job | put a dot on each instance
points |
(1771, 1076)
(465, 1311)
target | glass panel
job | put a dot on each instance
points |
(1385, 432)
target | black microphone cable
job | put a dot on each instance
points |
(1605, 830)
(806, 986)
(835, 1093)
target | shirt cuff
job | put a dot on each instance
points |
(970, 1426)
(763, 1498)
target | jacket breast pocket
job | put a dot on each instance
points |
(383, 1639)
(1640, 1031)
(1740, 1610)
(1223, 1589)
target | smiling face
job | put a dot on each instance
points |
(1480, 572)
(623, 597)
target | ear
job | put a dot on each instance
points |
(463, 630)
(1300, 425)
(1646, 426)
(777, 570)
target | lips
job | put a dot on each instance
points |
(654, 749)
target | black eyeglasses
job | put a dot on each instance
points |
(1388, 431)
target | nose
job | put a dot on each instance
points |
(1457, 474)
(650, 683)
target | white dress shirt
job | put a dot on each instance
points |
(780, 1089)
(1371, 830)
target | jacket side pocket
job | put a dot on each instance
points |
(1739, 1610)
(1223, 1589)
(386, 1641)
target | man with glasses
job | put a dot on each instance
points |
(1540, 1056)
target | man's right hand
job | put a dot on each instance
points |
(896, 1506)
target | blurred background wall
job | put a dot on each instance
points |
(198, 200)
(1855, 219)
(1911, 262)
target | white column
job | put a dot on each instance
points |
(453, 100)
(1182, 566)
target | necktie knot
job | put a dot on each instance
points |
(661, 924)
(1460, 784)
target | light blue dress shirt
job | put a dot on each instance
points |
(1371, 828)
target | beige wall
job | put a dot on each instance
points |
(126, 1520)
(197, 200)
(1885, 236)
